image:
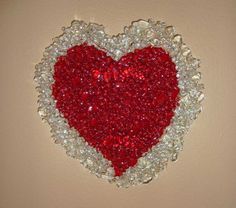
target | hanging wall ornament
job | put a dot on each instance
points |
(120, 104)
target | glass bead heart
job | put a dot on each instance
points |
(122, 107)
(120, 104)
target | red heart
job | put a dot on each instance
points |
(122, 107)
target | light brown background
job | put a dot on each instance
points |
(35, 173)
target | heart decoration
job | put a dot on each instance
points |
(120, 104)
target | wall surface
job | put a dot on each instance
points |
(36, 173)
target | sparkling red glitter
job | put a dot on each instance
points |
(121, 108)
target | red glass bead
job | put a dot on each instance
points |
(121, 108)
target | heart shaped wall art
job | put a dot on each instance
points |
(120, 104)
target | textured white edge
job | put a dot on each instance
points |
(139, 34)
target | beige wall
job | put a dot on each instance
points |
(35, 173)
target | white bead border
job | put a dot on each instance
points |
(139, 34)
